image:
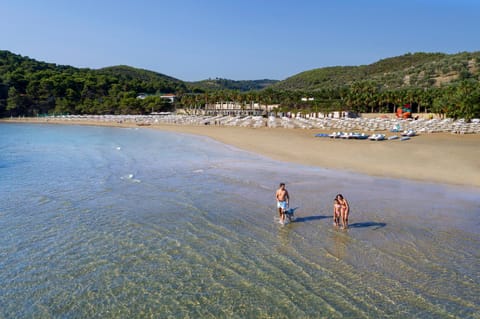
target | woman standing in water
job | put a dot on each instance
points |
(337, 212)
(345, 210)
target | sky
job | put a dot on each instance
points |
(234, 39)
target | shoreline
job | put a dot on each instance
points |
(438, 157)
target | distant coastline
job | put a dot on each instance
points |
(438, 158)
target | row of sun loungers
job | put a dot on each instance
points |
(357, 124)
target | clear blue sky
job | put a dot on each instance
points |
(235, 39)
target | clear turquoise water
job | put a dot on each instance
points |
(134, 223)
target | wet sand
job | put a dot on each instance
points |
(438, 157)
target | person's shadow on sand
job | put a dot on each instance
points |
(375, 225)
(306, 218)
(309, 218)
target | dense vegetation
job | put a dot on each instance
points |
(419, 70)
(29, 87)
(439, 83)
(219, 84)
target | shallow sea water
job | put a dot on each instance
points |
(134, 223)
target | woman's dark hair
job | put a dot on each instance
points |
(339, 195)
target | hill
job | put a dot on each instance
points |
(128, 73)
(30, 87)
(219, 84)
(14, 65)
(419, 70)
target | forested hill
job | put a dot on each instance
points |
(420, 70)
(30, 87)
(11, 64)
(128, 73)
(225, 84)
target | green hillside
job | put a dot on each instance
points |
(30, 87)
(419, 70)
(128, 73)
(219, 84)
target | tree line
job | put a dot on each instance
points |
(461, 100)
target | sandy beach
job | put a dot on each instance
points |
(438, 157)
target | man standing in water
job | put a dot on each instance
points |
(282, 201)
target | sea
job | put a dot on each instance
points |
(102, 222)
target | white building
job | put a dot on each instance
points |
(168, 97)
